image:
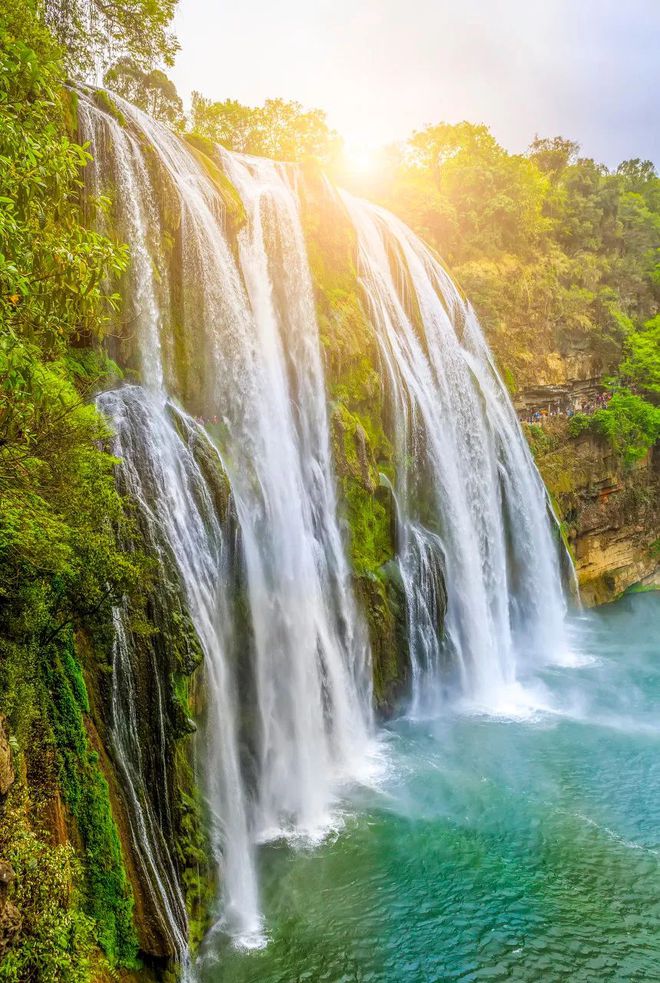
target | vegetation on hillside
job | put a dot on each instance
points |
(60, 567)
(558, 255)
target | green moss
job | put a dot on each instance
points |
(105, 102)
(192, 846)
(206, 154)
(510, 380)
(383, 601)
(642, 589)
(106, 890)
(69, 99)
(364, 501)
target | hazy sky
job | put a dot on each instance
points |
(585, 69)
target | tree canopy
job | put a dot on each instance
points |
(151, 91)
(556, 252)
(91, 30)
(278, 129)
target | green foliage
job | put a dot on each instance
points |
(60, 566)
(90, 29)
(105, 102)
(56, 941)
(555, 252)
(151, 91)
(57, 497)
(641, 366)
(52, 269)
(278, 129)
(490, 201)
(628, 423)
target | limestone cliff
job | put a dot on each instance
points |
(610, 513)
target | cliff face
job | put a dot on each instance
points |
(610, 514)
(616, 527)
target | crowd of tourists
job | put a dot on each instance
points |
(568, 408)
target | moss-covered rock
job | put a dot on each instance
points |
(362, 448)
(105, 102)
(206, 154)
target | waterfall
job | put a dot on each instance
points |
(160, 473)
(486, 525)
(260, 385)
(222, 331)
(311, 657)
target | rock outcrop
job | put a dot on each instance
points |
(610, 514)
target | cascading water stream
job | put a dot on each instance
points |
(161, 475)
(262, 381)
(486, 525)
(311, 657)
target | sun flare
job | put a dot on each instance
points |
(360, 158)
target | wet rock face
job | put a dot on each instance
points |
(7, 774)
(618, 521)
(610, 513)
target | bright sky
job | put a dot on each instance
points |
(585, 69)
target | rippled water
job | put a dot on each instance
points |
(521, 847)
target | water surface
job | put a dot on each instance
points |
(524, 845)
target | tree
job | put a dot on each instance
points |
(487, 201)
(554, 250)
(228, 123)
(90, 29)
(636, 173)
(553, 154)
(279, 129)
(151, 91)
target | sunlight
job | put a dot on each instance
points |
(360, 158)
